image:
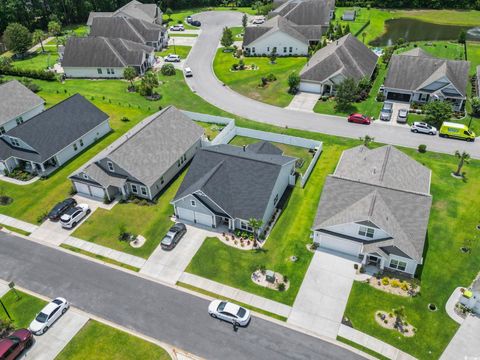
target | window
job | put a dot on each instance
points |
(85, 176)
(268, 49)
(366, 231)
(162, 180)
(134, 189)
(193, 203)
(110, 166)
(112, 71)
(245, 226)
(75, 147)
(284, 49)
(81, 142)
(253, 49)
(290, 49)
(178, 163)
(143, 190)
(274, 49)
(19, 120)
(99, 71)
(397, 264)
(275, 200)
(2, 130)
(108, 71)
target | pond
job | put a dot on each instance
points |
(416, 30)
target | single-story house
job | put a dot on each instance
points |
(132, 29)
(305, 12)
(229, 185)
(417, 77)
(133, 10)
(100, 57)
(17, 105)
(376, 207)
(349, 15)
(344, 58)
(144, 160)
(51, 138)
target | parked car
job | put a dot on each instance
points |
(74, 215)
(173, 236)
(421, 127)
(172, 58)
(196, 23)
(178, 27)
(457, 131)
(386, 113)
(60, 209)
(258, 21)
(188, 72)
(189, 19)
(49, 314)
(402, 115)
(13, 345)
(359, 119)
(230, 312)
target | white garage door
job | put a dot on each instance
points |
(89, 190)
(309, 87)
(340, 245)
(82, 188)
(97, 192)
(204, 219)
(185, 214)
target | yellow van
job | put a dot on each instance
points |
(458, 131)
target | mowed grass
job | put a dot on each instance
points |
(452, 221)
(103, 342)
(247, 82)
(289, 237)
(23, 310)
(38, 60)
(180, 50)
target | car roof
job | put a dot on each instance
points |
(231, 308)
(49, 308)
(188, 69)
(5, 345)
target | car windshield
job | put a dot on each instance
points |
(221, 306)
(167, 240)
(241, 312)
(42, 317)
(58, 302)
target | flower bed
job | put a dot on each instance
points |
(20, 174)
(395, 322)
(394, 286)
(242, 241)
(279, 283)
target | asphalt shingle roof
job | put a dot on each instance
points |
(306, 12)
(278, 23)
(133, 9)
(240, 182)
(126, 28)
(15, 100)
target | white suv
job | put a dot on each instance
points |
(172, 58)
(421, 127)
(74, 215)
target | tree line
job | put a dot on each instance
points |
(413, 4)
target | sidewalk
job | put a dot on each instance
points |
(38, 46)
(235, 294)
(18, 182)
(373, 344)
(450, 306)
(19, 224)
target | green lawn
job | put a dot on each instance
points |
(103, 342)
(181, 50)
(289, 150)
(451, 222)
(247, 82)
(361, 19)
(39, 60)
(21, 311)
(211, 130)
(289, 237)
(237, 33)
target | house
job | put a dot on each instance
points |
(417, 77)
(344, 58)
(17, 105)
(228, 185)
(133, 10)
(100, 57)
(51, 138)
(144, 160)
(294, 25)
(349, 15)
(376, 206)
(132, 29)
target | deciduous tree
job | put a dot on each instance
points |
(17, 38)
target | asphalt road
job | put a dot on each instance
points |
(152, 309)
(206, 85)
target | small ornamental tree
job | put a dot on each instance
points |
(475, 106)
(255, 224)
(168, 70)
(462, 37)
(227, 37)
(345, 96)
(464, 158)
(273, 56)
(54, 28)
(17, 38)
(169, 13)
(347, 29)
(130, 74)
(293, 83)
(37, 37)
(244, 21)
(367, 140)
(438, 112)
(148, 84)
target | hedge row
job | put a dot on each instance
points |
(34, 74)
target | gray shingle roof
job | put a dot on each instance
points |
(415, 69)
(240, 182)
(133, 9)
(395, 198)
(94, 51)
(347, 56)
(150, 148)
(306, 12)
(278, 23)
(264, 147)
(126, 28)
(16, 99)
(56, 128)
(95, 14)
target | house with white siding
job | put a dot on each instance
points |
(376, 207)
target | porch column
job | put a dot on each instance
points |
(32, 164)
(382, 263)
(42, 167)
(364, 260)
(231, 224)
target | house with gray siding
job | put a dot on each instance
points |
(133, 10)
(228, 185)
(376, 207)
(17, 105)
(48, 140)
(144, 160)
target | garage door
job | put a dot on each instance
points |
(185, 214)
(97, 192)
(90, 190)
(309, 87)
(204, 219)
(340, 245)
(398, 97)
(82, 188)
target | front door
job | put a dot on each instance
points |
(373, 260)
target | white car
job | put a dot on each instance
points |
(402, 115)
(74, 215)
(49, 314)
(178, 27)
(230, 312)
(421, 127)
(258, 21)
(172, 58)
(188, 72)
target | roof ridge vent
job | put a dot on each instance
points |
(384, 165)
(372, 204)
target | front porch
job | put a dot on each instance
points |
(35, 168)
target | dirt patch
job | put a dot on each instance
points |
(391, 322)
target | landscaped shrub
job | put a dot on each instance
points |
(34, 74)
(234, 67)
(281, 287)
(385, 281)
(263, 82)
(241, 65)
(380, 97)
(168, 70)
(422, 148)
(271, 77)
(404, 286)
(395, 283)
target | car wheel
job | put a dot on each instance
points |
(469, 140)
(44, 330)
(89, 211)
(74, 224)
(431, 133)
(415, 130)
(64, 310)
(213, 315)
(236, 324)
(29, 343)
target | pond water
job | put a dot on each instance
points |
(416, 30)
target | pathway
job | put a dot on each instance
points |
(450, 306)
(303, 101)
(465, 344)
(19, 224)
(38, 46)
(18, 182)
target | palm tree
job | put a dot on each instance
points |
(255, 224)
(464, 159)
(367, 140)
(38, 37)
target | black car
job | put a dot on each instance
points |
(189, 19)
(173, 236)
(195, 23)
(61, 208)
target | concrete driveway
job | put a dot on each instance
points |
(303, 101)
(168, 266)
(50, 344)
(322, 298)
(465, 344)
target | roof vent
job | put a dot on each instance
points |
(374, 171)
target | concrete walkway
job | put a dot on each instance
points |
(303, 101)
(19, 224)
(119, 256)
(465, 344)
(3, 288)
(18, 182)
(373, 344)
(182, 41)
(450, 306)
(235, 294)
(39, 46)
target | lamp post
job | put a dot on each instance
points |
(174, 49)
(5, 309)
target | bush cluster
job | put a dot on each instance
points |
(34, 74)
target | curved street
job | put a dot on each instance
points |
(205, 84)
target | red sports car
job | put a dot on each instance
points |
(359, 119)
